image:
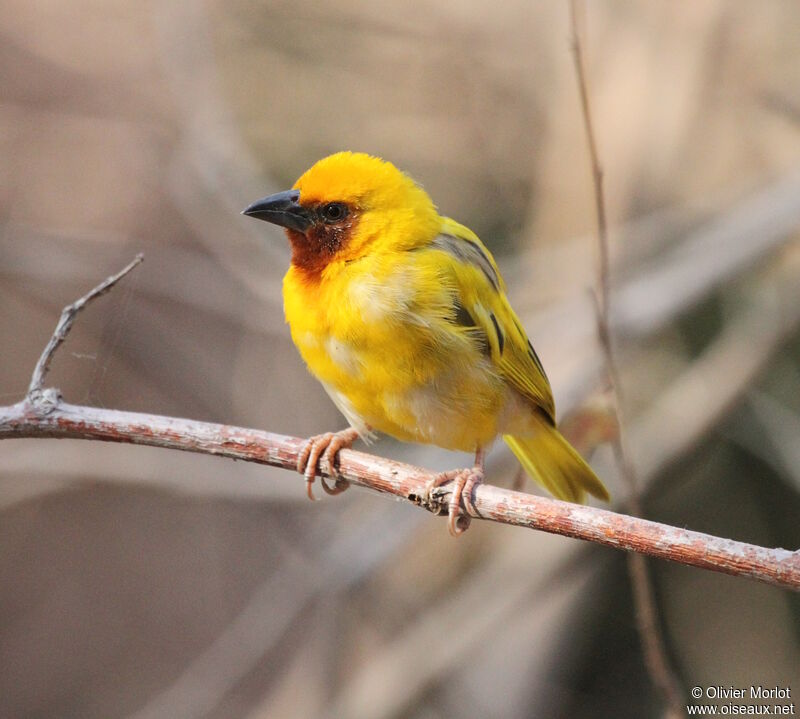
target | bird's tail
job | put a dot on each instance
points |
(552, 462)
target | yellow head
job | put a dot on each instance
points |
(348, 205)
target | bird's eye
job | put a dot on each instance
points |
(334, 211)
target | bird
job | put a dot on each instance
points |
(401, 313)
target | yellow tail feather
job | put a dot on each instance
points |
(552, 462)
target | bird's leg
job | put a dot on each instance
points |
(325, 447)
(464, 483)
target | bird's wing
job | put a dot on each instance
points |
(482, 304)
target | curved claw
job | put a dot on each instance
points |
(457, 523)
(474, 478)
(339, 486)
(464, 483)
(323, 448)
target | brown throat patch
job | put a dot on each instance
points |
(313, 250)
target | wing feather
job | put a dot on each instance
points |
(481, 298)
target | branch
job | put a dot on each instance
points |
(779, 567)
(44, 414)
(68, 315)
(653, 645)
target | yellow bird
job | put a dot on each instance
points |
(402, 315)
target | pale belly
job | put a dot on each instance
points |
(448, 396)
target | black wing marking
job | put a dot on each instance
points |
(467, 251)
(531, 352)
(501, 340)
(462, 317)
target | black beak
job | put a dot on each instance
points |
(281, 209)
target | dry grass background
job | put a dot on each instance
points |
(142, 583)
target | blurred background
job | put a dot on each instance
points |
(142, 583)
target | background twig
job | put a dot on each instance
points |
(68, 315)
(647, 619)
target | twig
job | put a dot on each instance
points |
(61, 420)
(779, 567)
(26, 419)
(647, 622)
(68, 315)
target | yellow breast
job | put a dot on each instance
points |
(377, 333)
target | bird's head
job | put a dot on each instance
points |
(346, 206)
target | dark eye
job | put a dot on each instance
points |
(334, 211)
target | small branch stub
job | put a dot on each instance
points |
(45, 400)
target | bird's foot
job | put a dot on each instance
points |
(464, 483)
(320, 451)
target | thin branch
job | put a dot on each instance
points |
(43, 414)
(597, 168)
(647, 619)
(68, 315)
(779, 567)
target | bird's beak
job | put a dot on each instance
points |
(282, 209)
